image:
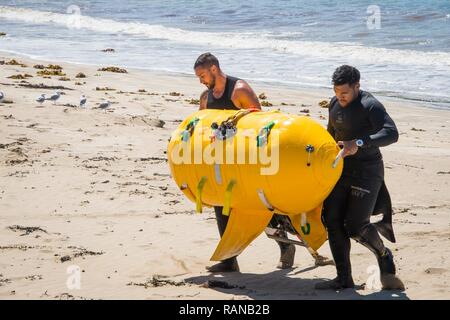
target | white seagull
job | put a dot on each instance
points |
(83, 101)
(104, 105)
(2, 96)
(41, 99)
(55, 97)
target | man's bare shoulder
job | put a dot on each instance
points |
(242, 86)
(244, 96)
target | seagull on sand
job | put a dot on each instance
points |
(54, 97)
(104, 105)
(41, 99)
(83, 101)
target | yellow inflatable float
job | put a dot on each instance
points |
(256, 164)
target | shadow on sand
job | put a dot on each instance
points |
(279, 285)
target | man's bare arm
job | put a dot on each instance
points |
(244, 97)
(203, 100)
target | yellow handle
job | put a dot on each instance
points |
(200, 186)
(227, 203)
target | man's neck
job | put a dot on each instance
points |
(357, 94)
(221, 81)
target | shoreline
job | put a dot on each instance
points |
(317, 90)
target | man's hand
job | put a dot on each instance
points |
(350, 147)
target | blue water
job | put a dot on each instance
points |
(405, 53)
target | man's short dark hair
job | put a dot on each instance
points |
(206, 60)
(345, 75)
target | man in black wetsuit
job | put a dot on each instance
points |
(360, 124)
(230, 93)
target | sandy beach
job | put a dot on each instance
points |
(88, 192)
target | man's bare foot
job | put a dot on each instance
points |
(287, 257)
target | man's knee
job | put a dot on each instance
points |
(331, 222)
(356, 231)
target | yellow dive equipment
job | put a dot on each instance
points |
(255, 164)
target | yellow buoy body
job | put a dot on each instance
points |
(267, 162)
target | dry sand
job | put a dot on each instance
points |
(88, 189)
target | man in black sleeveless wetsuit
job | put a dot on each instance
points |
(229, 93)
(360, 124)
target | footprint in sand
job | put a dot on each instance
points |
(180, 263)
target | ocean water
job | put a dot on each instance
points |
(402, 48)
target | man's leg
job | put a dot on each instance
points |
(230, 264)
(364, 193)
(333, 215)
(287, 250)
